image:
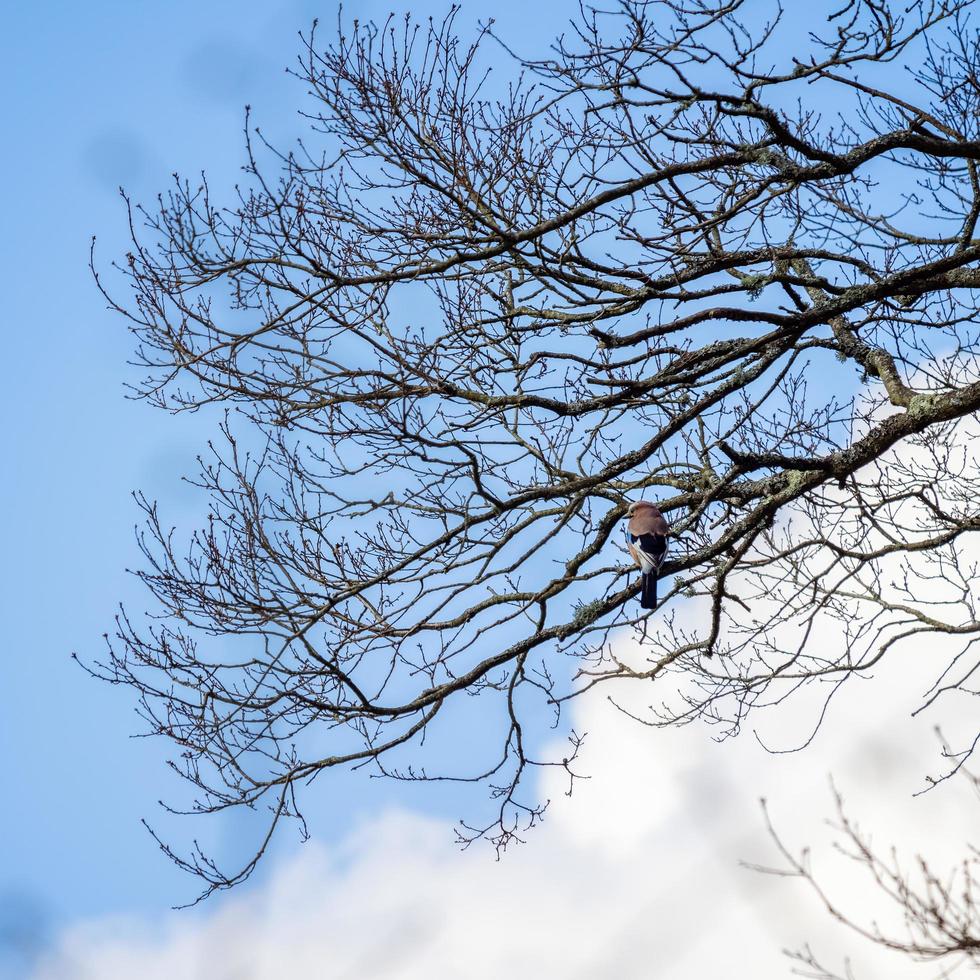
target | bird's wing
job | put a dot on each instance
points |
(646, 552)
(652, 549)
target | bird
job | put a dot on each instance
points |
(646, 538)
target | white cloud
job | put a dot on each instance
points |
(637, 875)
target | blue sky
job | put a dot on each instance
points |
(110, 94)
(97, 95)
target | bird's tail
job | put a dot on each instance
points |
(648, 593)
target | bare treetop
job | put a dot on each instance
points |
(488, 301)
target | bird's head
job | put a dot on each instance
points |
(638, 505)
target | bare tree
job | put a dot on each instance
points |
(938, 914)
(689, 254)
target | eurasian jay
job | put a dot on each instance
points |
(646, 538)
